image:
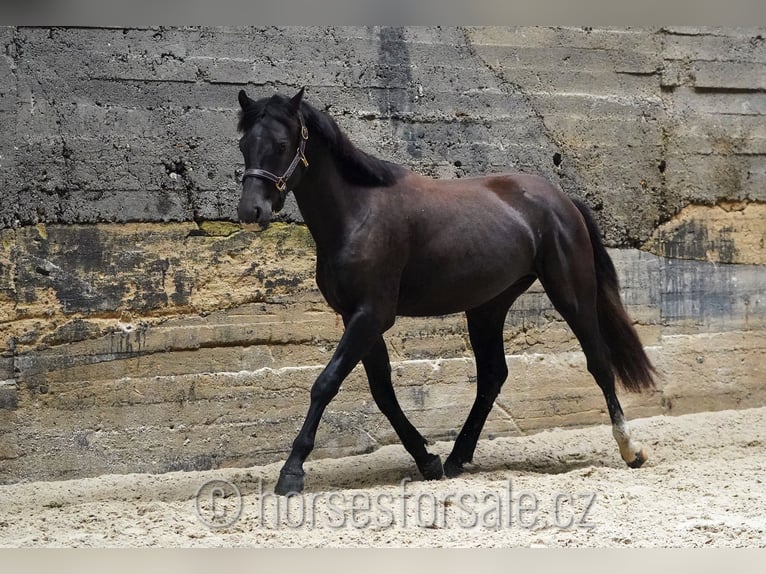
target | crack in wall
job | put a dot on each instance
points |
(563, 168)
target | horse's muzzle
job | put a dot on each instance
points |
(256, 216)
(254, 209)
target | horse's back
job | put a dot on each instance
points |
(517, 207)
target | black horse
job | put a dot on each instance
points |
(391, 242)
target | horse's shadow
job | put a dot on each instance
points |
(392, 468)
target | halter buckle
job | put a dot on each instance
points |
(304, 132)
(281, 184)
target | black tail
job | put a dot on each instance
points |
(627, 355)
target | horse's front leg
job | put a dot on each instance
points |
(362, 330)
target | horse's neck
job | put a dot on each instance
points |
(325, 201)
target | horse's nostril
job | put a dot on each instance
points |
(257, 214)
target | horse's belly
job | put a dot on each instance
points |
(429, 292)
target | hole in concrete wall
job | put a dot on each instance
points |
(557, 159)
(458, 163)
(663, 166)
(175, 167)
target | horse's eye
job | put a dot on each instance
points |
(282, 146)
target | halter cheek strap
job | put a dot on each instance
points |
(300, 157)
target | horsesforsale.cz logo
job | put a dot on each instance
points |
(218, 503)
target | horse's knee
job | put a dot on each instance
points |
(325, 388)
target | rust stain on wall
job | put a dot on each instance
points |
(62, 283)
(728, 232)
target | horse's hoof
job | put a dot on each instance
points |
(452, 469)
(640, 459)
(432, 470)
(289, 483)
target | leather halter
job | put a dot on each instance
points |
(300, 156)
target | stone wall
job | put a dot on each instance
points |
(141, 330)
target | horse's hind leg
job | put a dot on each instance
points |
(485, 329)
(378, 368)
(572, 290)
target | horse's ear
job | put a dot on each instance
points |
(295, 102)
(244, 101)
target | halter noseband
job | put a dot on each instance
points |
(300, 156)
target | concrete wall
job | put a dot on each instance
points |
(141, 331)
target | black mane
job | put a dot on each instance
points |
(356, 166)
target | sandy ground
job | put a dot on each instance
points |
(703, 486)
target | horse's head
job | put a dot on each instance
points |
(273, 144)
